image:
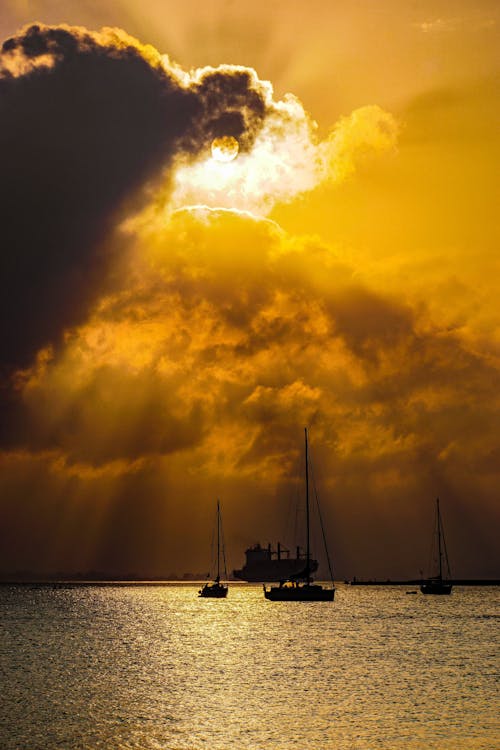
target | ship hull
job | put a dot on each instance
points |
(273, 571)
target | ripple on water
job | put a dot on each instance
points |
(140, 668)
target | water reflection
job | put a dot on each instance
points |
(158, 667)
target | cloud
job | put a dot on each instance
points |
(87, 120)
(474, 22)
(287, 159)
(226, 338)
(227, 320)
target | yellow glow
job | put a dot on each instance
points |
(286, 160)
(225, 149)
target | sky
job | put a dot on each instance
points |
(224, 222)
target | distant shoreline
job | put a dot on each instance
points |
(417, 582)
(62, 582)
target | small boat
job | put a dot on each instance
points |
(437, 584)
(217, 590)
(300, 587)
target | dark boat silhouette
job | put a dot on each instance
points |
(438, 584)
(269, 565)
(217, 590)
(300, 587)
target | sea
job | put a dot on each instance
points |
(154, 667)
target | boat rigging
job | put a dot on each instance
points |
(438, 584)
(217, 590)
(300, 586)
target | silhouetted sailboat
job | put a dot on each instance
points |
(217, 590)
(437, 584)
(300, 587)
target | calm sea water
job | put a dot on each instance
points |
(142, 668)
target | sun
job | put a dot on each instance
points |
(225, 148)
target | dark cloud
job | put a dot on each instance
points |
(87, 120)
(116, 415)
(235, 105)
(368, 322)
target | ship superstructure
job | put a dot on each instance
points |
(268, 564)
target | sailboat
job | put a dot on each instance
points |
(437, 584)
(217, 590)
(300, 587)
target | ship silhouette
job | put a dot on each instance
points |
(268, 565)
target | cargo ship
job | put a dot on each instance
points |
(266, 565)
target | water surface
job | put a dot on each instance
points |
(155, 667)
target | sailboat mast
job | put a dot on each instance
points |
(439, 539)
(218, 541)
(308, 550)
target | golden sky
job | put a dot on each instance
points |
(172, 321)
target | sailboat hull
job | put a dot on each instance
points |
(305, 593)
(438, 588)
(213, 591)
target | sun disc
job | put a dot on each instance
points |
(225, 148)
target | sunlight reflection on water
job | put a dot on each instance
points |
(150, 667)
